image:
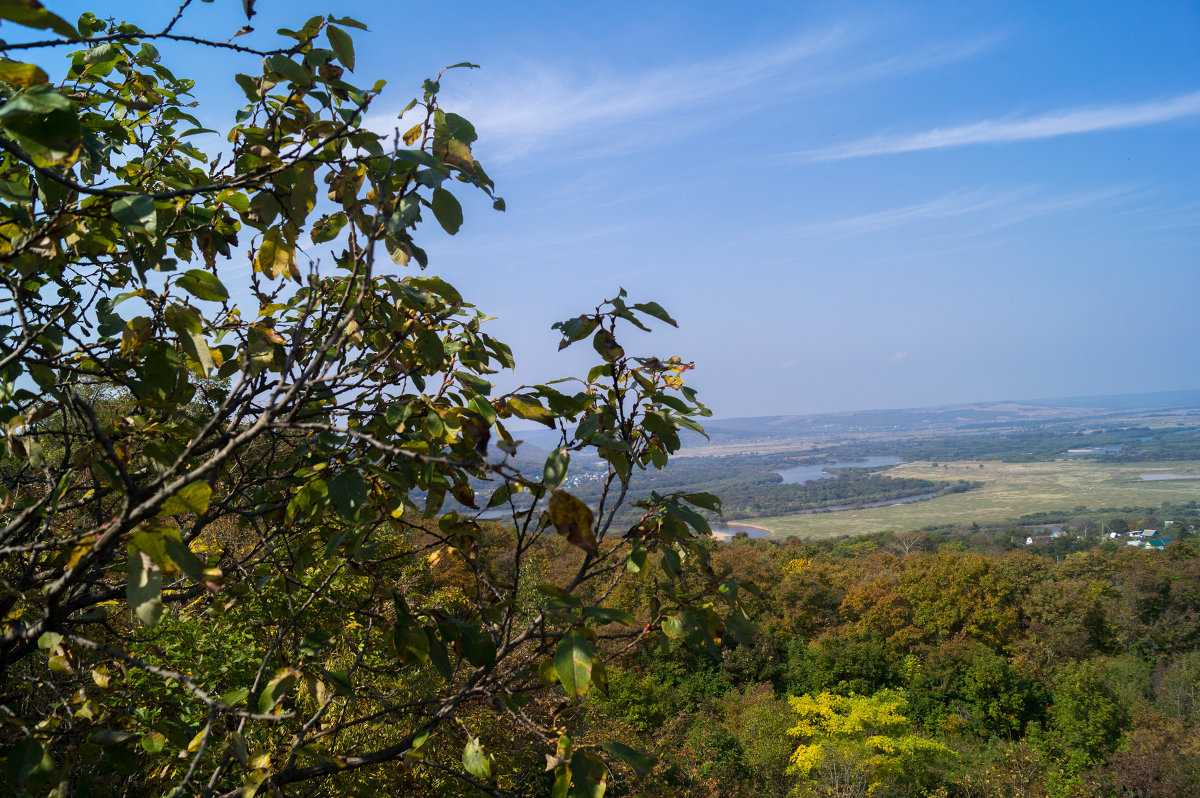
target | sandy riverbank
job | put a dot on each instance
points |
(725, 534)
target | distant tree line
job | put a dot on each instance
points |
(1035, 444)
(750, 485)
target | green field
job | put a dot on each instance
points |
(1010, 490)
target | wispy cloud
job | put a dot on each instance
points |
(950, 205)
(535, 104)
(963, 213)
(525, 107)
(998, 131)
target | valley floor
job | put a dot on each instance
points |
(1010, 490)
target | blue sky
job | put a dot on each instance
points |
(846, 206)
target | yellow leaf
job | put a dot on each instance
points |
(573, 520)
(15, 73)
(277, 256)
(412, 135)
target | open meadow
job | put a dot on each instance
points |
(1010, 490)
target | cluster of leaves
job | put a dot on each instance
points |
(227, 562)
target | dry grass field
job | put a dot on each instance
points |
(1010, 490)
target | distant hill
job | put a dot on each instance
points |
(981, 418)
(1130, 401)
(967, 419)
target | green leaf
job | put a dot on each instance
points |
(31, 14)
(419, 157)
(606, 344)
(202, 285)
(562, 782)
(447, 210)
(276, 689)
(144, 587)
(15, 192)
(289, 69)
(438, 654)
(28, 761)
(636, 563)
(690, 517)
(235, 697)
(475, 761)
(575, 329)
(328, 227)
(51, 139)
(522, 407)
(349, 22)
(191, 498)
(110, 737)
(347, 493)
(639, 762)
(459, 127)
(437, 286)
(341, 43)
(37, 101)
(478, 647)
(499, 496)
(153, 742)
(555, 470)
(656, 310)
(573, 662)
(474, 382)
(136, 213)
(672, 626)
(705, 500)
(411, 642)
(178, 552)
(342, 683)
(588, 776)
(187, 323)
(609, 615)
(312, 643)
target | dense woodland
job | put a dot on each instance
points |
(936, 667)
(919, 663)
(1037, 443)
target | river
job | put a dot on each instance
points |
(808, 473)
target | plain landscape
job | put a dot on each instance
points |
(335, 464)
(993, 465)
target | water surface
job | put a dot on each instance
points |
(1161, 477)
(809, 473)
